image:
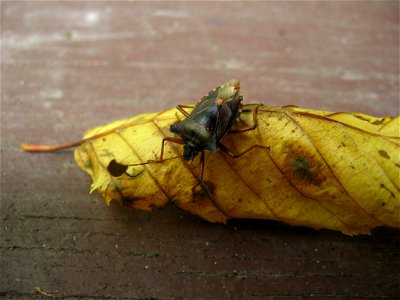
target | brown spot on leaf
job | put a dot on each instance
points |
(302, 167)
(203, 196)
(87, 163)
(384, 154)
(203, 191)
(386, 188)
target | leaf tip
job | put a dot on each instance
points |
(93, 187)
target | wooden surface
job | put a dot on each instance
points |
(68, 66)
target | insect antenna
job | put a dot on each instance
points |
(117, 169)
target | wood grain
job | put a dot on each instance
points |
(68, 66)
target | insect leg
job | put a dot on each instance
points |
(135, 175)
(169, 139)
(205, 188)
(230, 153)
(202, 159)
(255, 122)
(181, 108)
(116, 169)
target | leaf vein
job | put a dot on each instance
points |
(311, 198)
(145, 167)
(329, 167)
(369, 155)
(248, 186)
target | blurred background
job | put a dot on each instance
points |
(85, 60)
(68, 66)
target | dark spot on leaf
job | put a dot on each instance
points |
(386, 188)
(383, 204)
(116, 169)
(87, 163)
(203, 195)
(107, 152)
(343, 144)
(384, 154)
(203, 191)
(302, 168)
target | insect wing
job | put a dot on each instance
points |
(205, 106)
(227, 113)
(205, 114)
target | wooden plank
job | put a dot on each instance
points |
(68, 66)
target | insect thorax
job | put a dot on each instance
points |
(210, 120)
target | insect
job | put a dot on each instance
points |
(214, 115)
(204, 127)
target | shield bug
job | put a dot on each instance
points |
(206, 125)
(212, 117)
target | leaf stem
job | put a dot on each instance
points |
(49, 148)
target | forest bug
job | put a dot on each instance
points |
(212, 117)
(204, 127)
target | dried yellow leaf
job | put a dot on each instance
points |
(320, 169)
